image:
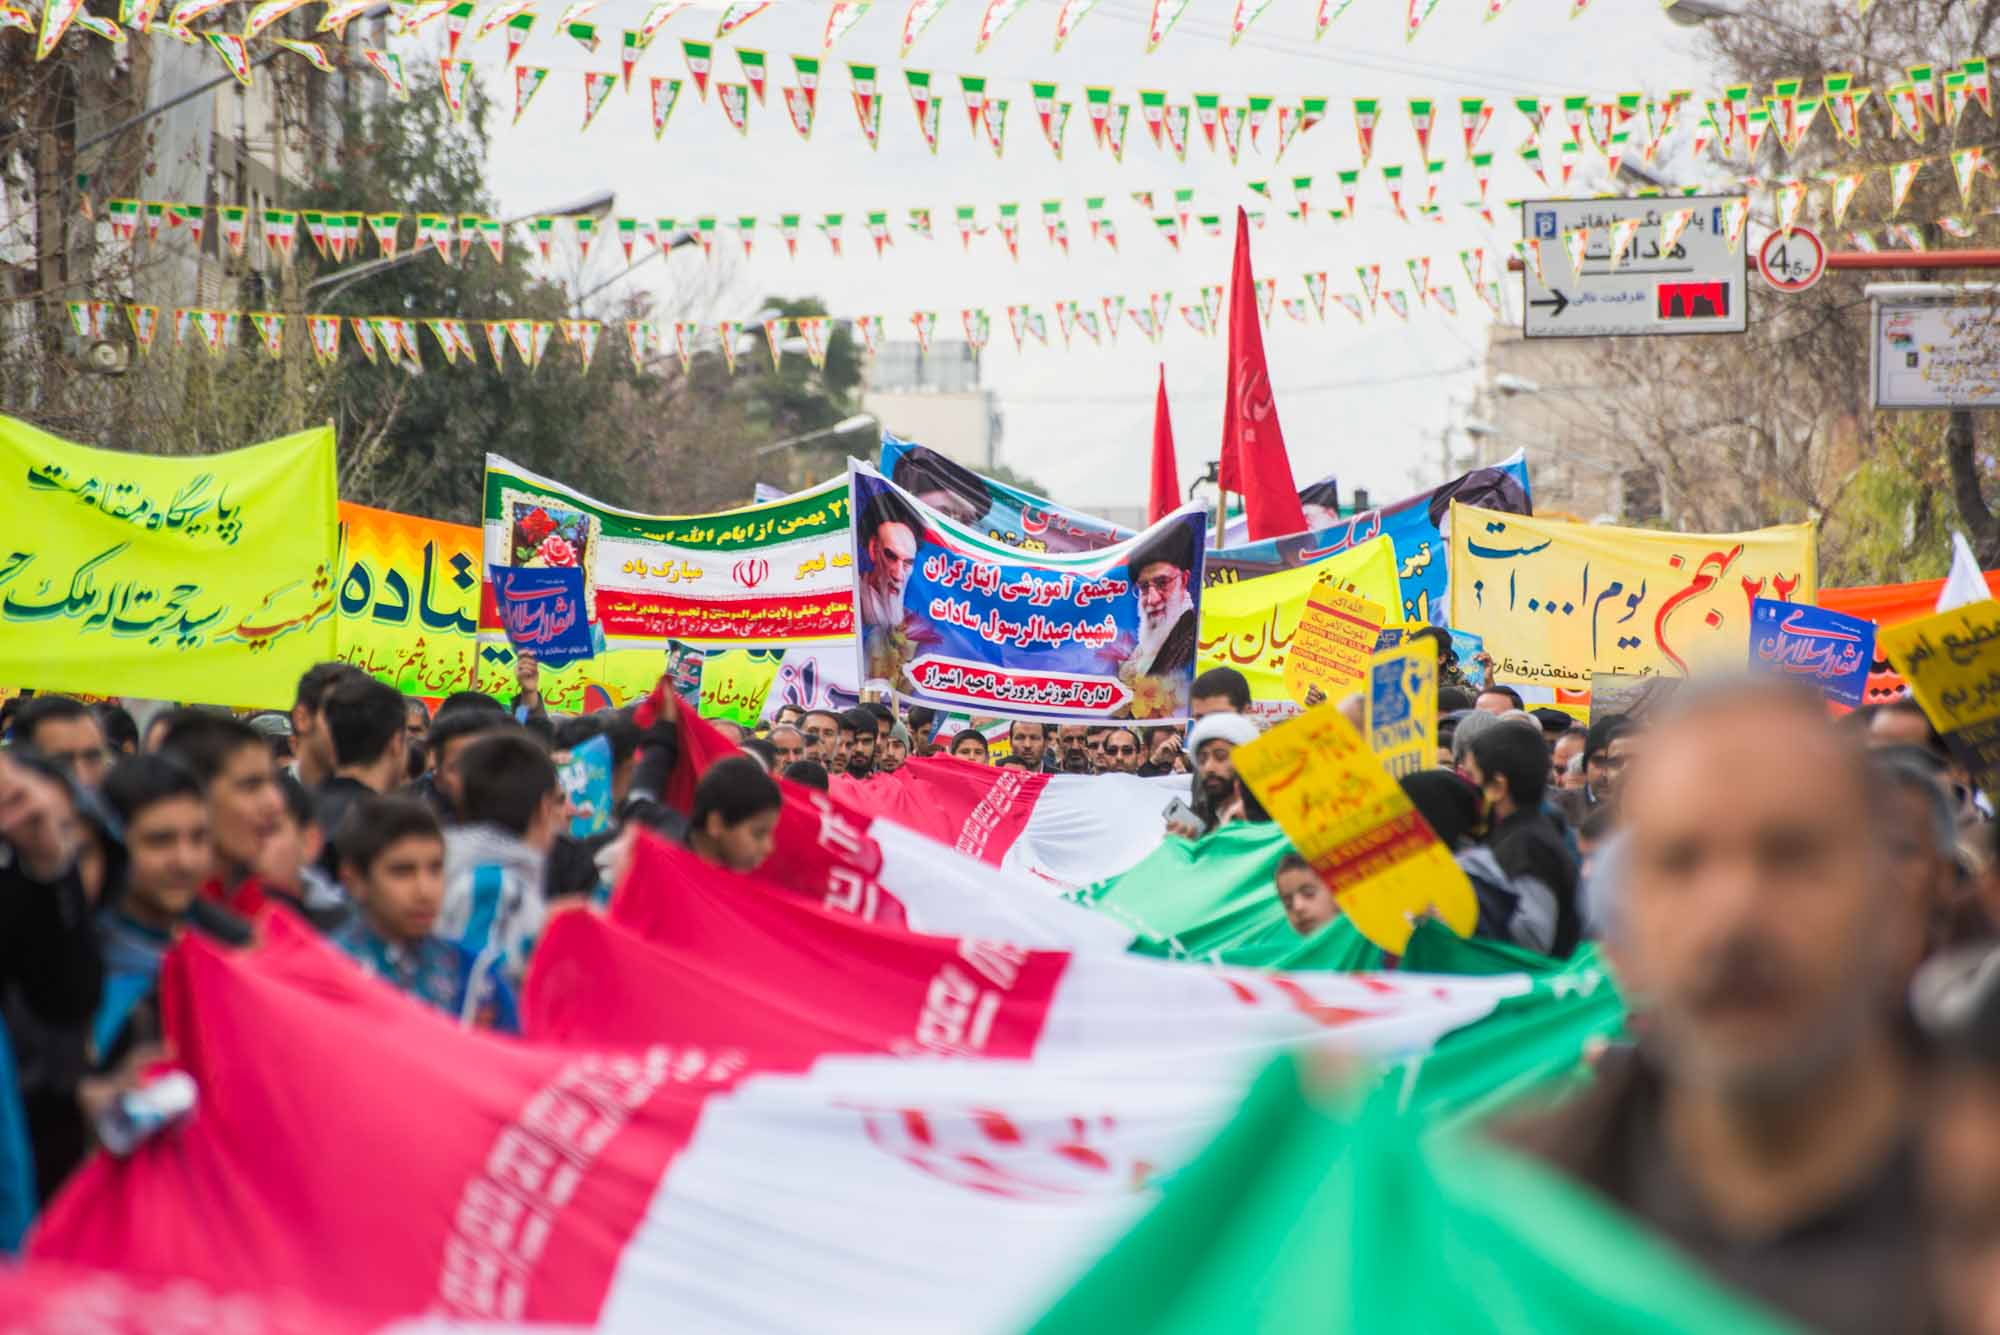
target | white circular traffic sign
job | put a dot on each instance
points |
(1792, 263)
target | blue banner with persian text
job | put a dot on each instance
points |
(954, 619)
(1416, 527)
(1831, 650)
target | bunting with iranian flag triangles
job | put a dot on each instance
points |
(994, 115)
(774, 338)
(323, 333)
(582, 335)
(995, 17)
(455, 76)
(924, 322)
(916, 19)
(145, 322)
(978, 328)
(1366, 112)
(683, 346)
(870, 327)
(496, 342)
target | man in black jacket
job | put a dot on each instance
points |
(1510, 764)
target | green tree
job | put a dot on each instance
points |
(417, 440)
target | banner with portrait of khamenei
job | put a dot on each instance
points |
(956, 620)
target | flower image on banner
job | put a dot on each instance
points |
(955, 619)
(774, 573)
(1001, 512)
(208, 580)
(408, 599)
(1412, 523)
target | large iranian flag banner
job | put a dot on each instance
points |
(1070, 829)
(778, 573)
(733, 1111)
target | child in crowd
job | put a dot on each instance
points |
(392, 864)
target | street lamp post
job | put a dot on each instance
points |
(858, 422)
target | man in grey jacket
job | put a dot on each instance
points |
(495, 863)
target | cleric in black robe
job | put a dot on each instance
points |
(1161, 569)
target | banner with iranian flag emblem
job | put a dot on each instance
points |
(773, 574)
(731, 1111)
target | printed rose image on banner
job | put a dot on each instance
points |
(548, 536)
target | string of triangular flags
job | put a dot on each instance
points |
(395, 340)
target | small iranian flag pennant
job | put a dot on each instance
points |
(746, 227)
(830, 228)
(582, 335)
(455, 75)
(735, 100)
(586, 232)
(738, 14)
(973, 88)
(596, 89)
(1967, 163)
(840, 16)
(978, 328)
(799, 106)
(1671, 226)
(812, 328)
(754, 73)
(683, 343)
(1067, 18)
(788, 229)
(496, 342)
(1902, 175)
(279, 228)
(878, 231)
(1840, 193)
(664, 93)
(528, 81)
(867, 103)
(145, 325)
(919, 82)
(995, 116)
(631, 47)
(1017, 324)
(364, 337)
(871, 329)
(323, 332)
(518, 29)
(774, 338)
(916, 19)
(235, 53)
(699, 58)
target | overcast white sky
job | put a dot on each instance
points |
(1364, 401)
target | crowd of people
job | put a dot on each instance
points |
(1801, 910)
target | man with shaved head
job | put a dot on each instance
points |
(1762, 935)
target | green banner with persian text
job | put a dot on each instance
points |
(205, 579)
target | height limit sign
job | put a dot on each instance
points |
(1676, 271)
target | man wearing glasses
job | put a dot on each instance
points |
(1121, 751)
(1160, 572)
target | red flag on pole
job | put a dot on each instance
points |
(1166, 496)
(1253, 445)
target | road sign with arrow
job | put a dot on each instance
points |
(1693, 284)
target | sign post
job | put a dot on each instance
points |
(1933, 345)
(1695, 285)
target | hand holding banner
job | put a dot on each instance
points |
(1353, 822)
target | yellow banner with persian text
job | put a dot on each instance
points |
(1557, 602)
(409, 601)
(1952, 663)
(206, 579)
(1250, 625)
